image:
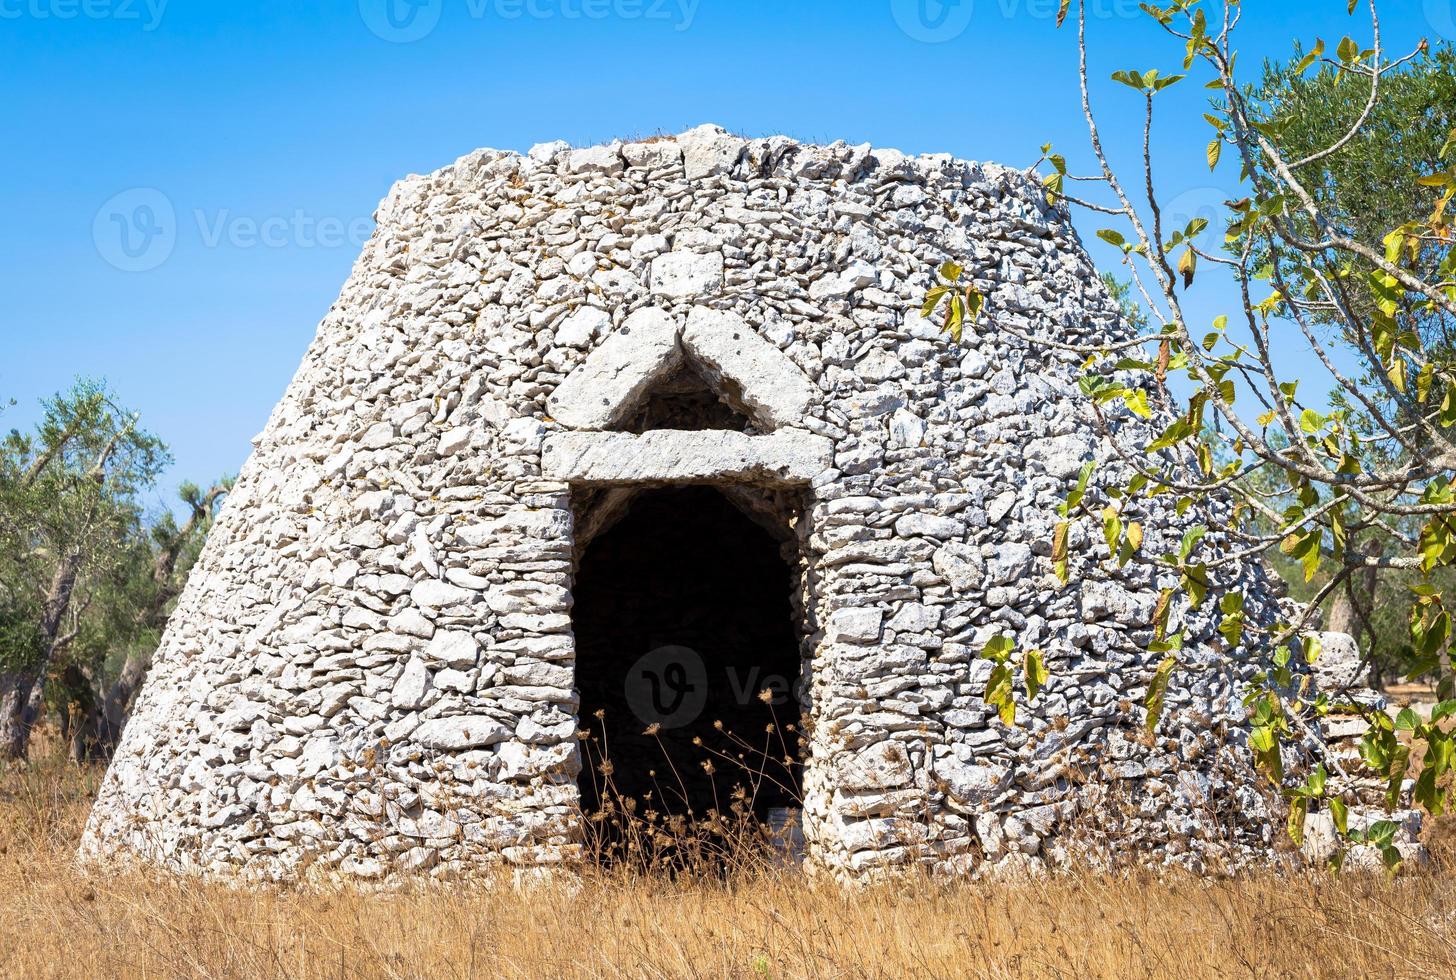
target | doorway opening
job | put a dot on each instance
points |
(688, 664)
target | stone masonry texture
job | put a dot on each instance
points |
(371, 672)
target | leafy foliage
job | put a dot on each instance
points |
(1339, 239)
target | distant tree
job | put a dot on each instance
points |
(110, 657)
(83, 574)
(1368, 185)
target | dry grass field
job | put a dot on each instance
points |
(57, 922)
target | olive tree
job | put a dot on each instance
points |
(1338, 488)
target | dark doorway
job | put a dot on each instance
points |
(687, 653)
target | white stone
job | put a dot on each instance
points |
(582, 326)
(596, 159)
(709, 150)
(855, 625)
(455, 734)
(453, 441)
(413, 685)
(433, 594)
(615, 376)
(453, 648)
(687, 275)
(787, 457)
(884, 765)
(727, 349)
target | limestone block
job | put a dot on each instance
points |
(582, 326)
(858, 625)
(616, 375)
(596, 159)
(709, 150)
(453, 648)
(433, 594)
(884, 765)
(687, 275)
(788, 457)
(456, 734)
(413, 684)
(1339, 663)
(731, 353)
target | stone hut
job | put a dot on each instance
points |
(601, 447)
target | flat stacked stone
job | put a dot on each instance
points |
(371, 672)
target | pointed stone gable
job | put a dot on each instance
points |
(606, 388)
(732, 357)
(734, 361)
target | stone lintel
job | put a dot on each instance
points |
(788, 457)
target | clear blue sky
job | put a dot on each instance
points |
(270, 129)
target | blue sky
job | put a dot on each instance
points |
(259, 136)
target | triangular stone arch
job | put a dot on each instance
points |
(732, 357)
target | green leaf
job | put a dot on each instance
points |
(1341, 815)
(1137, 402)
(1036, 673)
(1111, 237)
(1191, 537)
(1195, 583)
(1111, 528)
(1442, 711)
(1074, 499)
(1158, 691)
(932, 300)
(1132, 79)
(1298, 808)
(951, 272)
(1059, 550)
(1312, 57)
(1000, 695)
(1215, 151)
(999, 648)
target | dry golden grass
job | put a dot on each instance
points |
(54, 921)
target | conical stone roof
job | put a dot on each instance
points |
(372, 669)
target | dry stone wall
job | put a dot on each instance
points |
(371, 672)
